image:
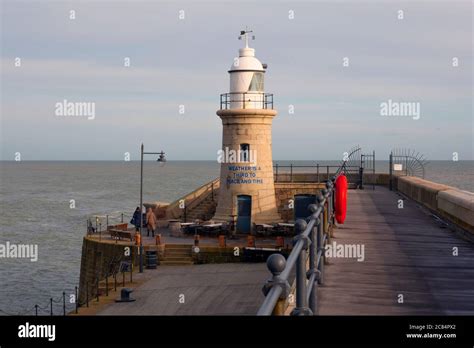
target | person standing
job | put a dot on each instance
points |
(151, 222)
(136, 219)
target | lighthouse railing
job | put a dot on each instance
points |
(246, 100)
(311, 236)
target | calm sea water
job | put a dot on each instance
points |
(35, 209)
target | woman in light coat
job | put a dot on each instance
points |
(150, 222)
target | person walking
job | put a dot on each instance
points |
(151, 222)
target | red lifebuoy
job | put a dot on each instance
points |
(341, 198)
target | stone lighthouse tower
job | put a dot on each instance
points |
(247, 191)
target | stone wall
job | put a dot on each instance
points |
(286, 191)
(97, 256)
(451, 203)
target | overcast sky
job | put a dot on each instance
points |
(185, 62)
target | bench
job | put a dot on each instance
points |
(121, 227)
(119, 234)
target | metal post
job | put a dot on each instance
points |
(327, 172)
(313, 259)
(301, 291)
(373, 169)
(51, 305)
(291, 172)
(141, 213)
(321, 247)
(36, 310)
(122, 217)
(107, 284)
(64, 303)
(390, 162)
(276, 172)
(317, 173)
(107, 222)
(76, 299)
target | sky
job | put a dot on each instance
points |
(184, 61)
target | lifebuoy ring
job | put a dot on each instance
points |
(341, 198)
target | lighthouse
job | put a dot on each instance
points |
(247, 192)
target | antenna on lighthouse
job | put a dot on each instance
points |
(245, 34)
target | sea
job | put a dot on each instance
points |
(47, 203)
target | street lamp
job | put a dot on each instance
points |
(161, 158)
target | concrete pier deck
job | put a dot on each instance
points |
(406, 253)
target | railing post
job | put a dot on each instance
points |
(76, 299)
(291, 172)
(51, 305)
(276, 263)
(301, 291)
(313, 263)
(390, 163)
(212, 191)
(317, 173)
(107, 284)
(322, 260)
(276, 172)
(64, 303)
(36, 310)
(87, 294)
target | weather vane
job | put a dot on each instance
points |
(245, 34)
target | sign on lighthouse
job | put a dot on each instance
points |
(247, 185)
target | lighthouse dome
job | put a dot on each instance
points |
(247, 61)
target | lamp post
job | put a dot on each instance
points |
(161, 158)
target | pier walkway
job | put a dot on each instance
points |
(406, 253)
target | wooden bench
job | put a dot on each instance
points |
(121, 227)
(119, 234)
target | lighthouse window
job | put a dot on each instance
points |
(244, 153)
(257, 82)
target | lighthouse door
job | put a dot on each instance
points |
(301, 206)
(244, 209)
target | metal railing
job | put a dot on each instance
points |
(322, 173)
(92, 292)
(247, 100)
(311, 237)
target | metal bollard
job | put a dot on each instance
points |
(36, 310)
(51, 305)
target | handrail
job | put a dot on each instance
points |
(311, 235)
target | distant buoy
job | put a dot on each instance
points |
(341, 198)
